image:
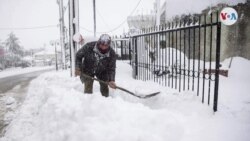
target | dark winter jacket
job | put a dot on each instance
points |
(92, 62)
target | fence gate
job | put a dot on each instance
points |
(184, 55)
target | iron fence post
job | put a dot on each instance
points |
(216, 88)
(129, 46)
(136, 58)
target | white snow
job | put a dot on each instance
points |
(77, 37)
(179, 7)
(88, 39)
(56, 109)
(9, 100)
(45, 52)
(19, 70)
(28, 58)
(235, 90)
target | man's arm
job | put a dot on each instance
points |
(79, 55)
(112, 67)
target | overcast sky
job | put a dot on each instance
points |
(33, 13)
(110, 14)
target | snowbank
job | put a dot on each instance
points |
(234, 91)
(56, 109)
(18, 71)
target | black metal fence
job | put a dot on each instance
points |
(184, 55)
(122, 47)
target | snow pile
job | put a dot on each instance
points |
(56, 109)
(18, 71)
(235, 91)
(10, 100)
(7, 106)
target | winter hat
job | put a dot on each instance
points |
(104, 39)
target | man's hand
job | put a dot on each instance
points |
(112, 84)
(77, 72)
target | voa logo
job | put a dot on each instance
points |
(228, 16)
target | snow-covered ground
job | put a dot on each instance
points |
(19, 70)
(56, 109)
(9, 103)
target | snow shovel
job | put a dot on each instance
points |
(122, 89)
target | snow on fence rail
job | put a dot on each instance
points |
(184, 55)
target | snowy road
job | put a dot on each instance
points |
(18, 70)
(56, 109)
(13, 90)
(7, 83)
(9, 102)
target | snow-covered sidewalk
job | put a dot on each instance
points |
(56, 109)
(18, 71)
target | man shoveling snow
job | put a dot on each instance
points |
(100, 61)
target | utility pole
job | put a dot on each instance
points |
(56, 57)
(158, 14)
(72, 48)
(62, 35)
(76, 21)
(94, 13)
(158, 20)
(73, 29)
(55, 43)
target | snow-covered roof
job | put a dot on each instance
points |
(44, 53)
(49, 50)
(89, 39)
(27, 58)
